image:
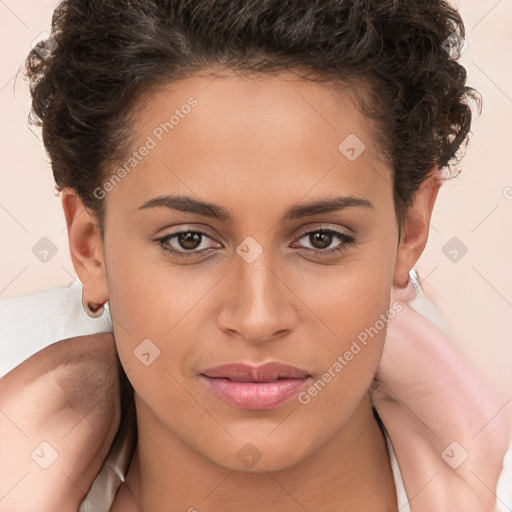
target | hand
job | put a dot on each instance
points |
(429, 397)
(66, 395)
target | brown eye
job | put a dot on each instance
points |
(321, 239)
(185, 243)
(189, 240)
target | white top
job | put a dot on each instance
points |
(29, 324)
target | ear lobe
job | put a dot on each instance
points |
(414, 233)
(86, 247)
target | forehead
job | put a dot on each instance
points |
(231, 103)
(265, 134)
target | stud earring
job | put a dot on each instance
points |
(93, 309)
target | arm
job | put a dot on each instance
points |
(429, 397)
(57, 396)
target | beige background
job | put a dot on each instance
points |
(474, 294)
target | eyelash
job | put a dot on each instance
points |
(346, 239)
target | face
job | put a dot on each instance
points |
(261, 277)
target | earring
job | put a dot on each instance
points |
(93, 309)
(414, 279)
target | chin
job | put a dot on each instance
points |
(260, 456)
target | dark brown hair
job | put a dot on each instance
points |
(104, 54)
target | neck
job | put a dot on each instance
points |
(350, 472)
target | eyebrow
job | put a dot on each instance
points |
(189, 205)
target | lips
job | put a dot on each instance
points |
(249, 387)
(269, 372)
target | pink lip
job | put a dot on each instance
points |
(249, 387)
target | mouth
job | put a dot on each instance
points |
(249, 387)
(241, 379)
(241, 372)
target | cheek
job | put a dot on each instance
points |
(350, 360)
(351, 351)
(137, 319)
(148, 295)
(155, 308)
(353, 307)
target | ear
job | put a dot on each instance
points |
(86, 247)
(414, 232)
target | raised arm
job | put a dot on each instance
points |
(59, 412)
(444, 421)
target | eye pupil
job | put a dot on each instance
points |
(189, 240)
(324, 239)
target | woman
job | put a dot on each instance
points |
(245, 184)
(83, 423)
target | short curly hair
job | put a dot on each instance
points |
(107, 53)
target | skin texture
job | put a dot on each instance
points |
(65, 395)
(429, 397)
(255, 146)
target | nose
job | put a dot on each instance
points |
(258, 305)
